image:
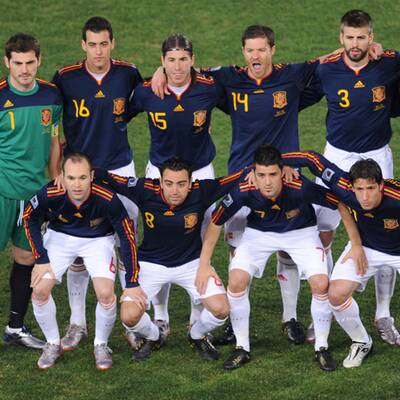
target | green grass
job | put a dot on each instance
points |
(304, 29)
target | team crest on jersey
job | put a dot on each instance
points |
(190, 220)
(119, 106)
(280, 99)
(94, 223)
(390, 223)
(199, 118)
(292, 213)
(46, 116)
(379, 94)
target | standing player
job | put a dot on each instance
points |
(82, 220)
(359, 94)
(179, 126)
(173, 210)
(281, 219)
(263, 101)
(374, 204)
(96, 92)
(29, 114)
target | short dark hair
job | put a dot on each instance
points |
(76, 157)
(177, 42)
(366, 169)
(176, 164)
(356, 19)
(22, 43)
(267, 155)
(96, 25)
(259, 31)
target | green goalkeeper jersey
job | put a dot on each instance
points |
(28, 121)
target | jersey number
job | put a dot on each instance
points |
(149, 218)
(12, 119)
(80, 109)
(238, 98)
(344, 99)
(158, 119)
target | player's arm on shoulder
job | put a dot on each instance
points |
(357, 251)
(129, 186)
(159, 84)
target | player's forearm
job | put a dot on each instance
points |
(54, 165)
(209, 242)
(350, 225)
(314, 161)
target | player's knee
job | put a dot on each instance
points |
(337, 296)
(40, 295)
(238, 281)
(320, 285)
(23, 257)
(130, 313)
(108, 302)
(219, 307)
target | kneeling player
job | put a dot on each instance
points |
(173, 209)
(374, 203)
(82, 220)
(281, 219)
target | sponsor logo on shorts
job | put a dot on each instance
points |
(119, 106)
(112, 266)
(217, 281)
(378, 94)
(390, 223)
(190, 220)
(280, 99)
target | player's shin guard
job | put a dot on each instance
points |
(77, 283)
(385, 281)
(240, 316)
(145, 327)
(348, 317)
(106, 315)
(207, 323)
(160, 303)
(322, 318)
(20, 288)
(289, 282)
(45, 314)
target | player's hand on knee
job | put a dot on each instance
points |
(159, 83)
(357, 254)
(137, 295)
(290, 173)
(38, 272)
(59, 182)
(203, 275)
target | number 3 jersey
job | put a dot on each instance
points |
(95, 112)
(28, 120)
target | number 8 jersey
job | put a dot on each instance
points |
(95, 112)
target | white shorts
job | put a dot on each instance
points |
(206, 172)
(97, 253)
(153, 276)
(329, 220)
(376, 260)
(235, 227)
(302, 245)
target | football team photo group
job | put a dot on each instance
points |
(79, 212)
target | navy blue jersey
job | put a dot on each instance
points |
(379, 228)
(96, 112)
(179, 125)
(100, 215)
(291, 210)
(172, 235)
(263, 111)
(359, 102)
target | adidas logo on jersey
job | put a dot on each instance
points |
(359, 85)
(179, 108)
(99, 95)
(8, 103)
(275, 207)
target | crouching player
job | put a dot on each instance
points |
(173, 210)
(82, 220)
(374, 204)
(281, 219)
